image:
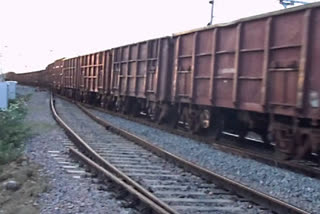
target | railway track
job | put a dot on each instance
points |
(162, 186)
(257, 151)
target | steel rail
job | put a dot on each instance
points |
(274, 204)
(120, 178)
(245, 152)
(100, 170)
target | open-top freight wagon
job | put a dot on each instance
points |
(54, 75)
(257, 74)
(32, 78)
(139, 76)
(260, 73)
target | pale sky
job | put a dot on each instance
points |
(33, 33)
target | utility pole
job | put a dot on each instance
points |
(211, 17)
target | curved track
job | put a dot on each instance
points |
(173, 190)
(257, 151)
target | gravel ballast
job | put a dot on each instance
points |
(66, 194)
(101, 140)
(297, 189)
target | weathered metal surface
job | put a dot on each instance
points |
(70, 76)
(312, 86)
(31, 78)
(236, 66)
(141, 70)
(54, 72)
(265, 63)
(251, 18)
(265, 73)
(94, 72)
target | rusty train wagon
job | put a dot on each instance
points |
(95, 78)
(31, 78)
(54, 72)
(10, 76)
(44, 79)
(70, 77)
(139, 76)
(259, 73)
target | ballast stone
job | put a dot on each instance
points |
(12, 185)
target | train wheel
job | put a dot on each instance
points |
(193, 121)
(118, 104)
(281, 155)
(125, 107)
(243, 132)
(103, 102)
(304, 147)
(219, 126)
(173, 117)
(285, 150)
(163, 113)
(155, 113)
(285, 139)
(173, 121)
(135, 110)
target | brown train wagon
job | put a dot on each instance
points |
(54, 72)
(10, 76)
(95, 77)
(141, 71)
(267, 63)
(70, 77)
(31, 78)
(44, 79)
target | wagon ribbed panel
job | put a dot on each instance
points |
(70, 73)
(94, 68)
(312, 97)
(139, 70)
(270, 63)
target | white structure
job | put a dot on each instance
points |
(12, 89)
(3, 96)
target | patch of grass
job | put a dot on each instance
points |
(12, 130)
(38, 127)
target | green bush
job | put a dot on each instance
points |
(13, 130)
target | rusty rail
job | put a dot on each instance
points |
(107, 169)
(274, 204)
(295, 167)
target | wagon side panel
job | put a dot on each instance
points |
(286, 48)
(312, 89)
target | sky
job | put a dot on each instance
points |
(34, 33)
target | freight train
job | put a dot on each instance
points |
(258, 74)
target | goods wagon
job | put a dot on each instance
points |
(9, 76)
(70, 77)
(259, 73)
(95, 77)
(139, 75)
(32, 78)
(44, 79)
(54, 73)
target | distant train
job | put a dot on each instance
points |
(258, 74)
